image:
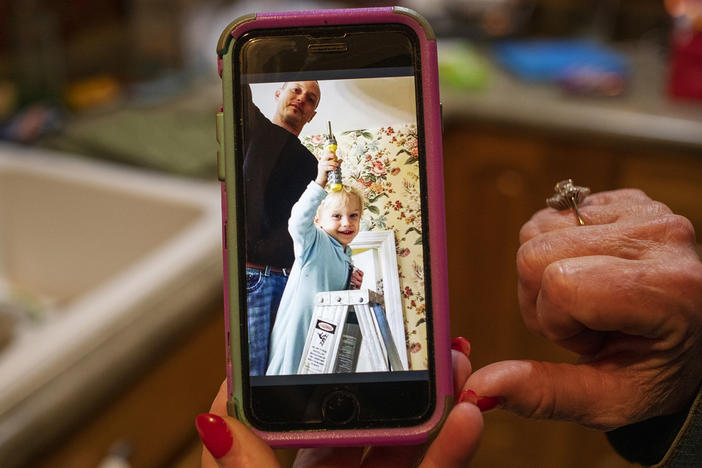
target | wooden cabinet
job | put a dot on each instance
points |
(496, 177)
(154, 414)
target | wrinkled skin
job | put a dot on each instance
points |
(625, 293)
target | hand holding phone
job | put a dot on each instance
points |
(312, 362)
(234, 445)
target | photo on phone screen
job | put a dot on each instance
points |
(335, 276)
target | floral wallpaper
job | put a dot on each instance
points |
(382, 164)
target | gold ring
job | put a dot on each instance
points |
(568, 196)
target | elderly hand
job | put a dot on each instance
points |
(625, 293)
(231, 444)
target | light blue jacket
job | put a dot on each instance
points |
(321, 264)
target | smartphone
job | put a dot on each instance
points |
(336, 302)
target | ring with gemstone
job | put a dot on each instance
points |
(568, 196)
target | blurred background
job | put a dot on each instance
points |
(111, 331)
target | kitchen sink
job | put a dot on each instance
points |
(99, 263)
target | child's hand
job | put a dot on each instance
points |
(327, 163)
(356, 279)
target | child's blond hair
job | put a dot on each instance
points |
(344, 195)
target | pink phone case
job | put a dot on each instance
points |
(437, 235)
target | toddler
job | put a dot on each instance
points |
(321, 225)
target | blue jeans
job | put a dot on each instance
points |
(263, 293)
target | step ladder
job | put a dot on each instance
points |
(342, 322)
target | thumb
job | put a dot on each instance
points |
(582, 393)
(231, 444)
(458, 440)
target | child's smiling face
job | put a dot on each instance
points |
(341, 218)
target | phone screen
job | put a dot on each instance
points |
(338, 295)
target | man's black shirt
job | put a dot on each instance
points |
(277, 169)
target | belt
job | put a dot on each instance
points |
(267, 269)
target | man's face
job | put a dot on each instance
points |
(297, 102)
(341, 219)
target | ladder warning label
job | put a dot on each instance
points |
(320, 347)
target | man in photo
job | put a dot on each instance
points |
(277, 169)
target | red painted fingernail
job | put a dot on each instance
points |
(468, 396)
(462, 345)
(487, 403)
(215, 434)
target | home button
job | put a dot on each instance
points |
(339, 407)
